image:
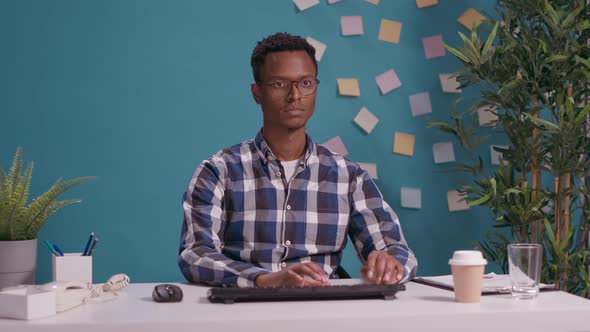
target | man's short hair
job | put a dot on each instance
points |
(278, 42)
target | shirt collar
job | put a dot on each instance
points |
(266, 154)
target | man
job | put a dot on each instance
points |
(276, 210)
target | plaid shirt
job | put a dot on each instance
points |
(242, 218)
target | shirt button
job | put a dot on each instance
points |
(287, 243)
(278, 174)
(283, 264)
(288, 207)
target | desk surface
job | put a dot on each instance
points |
(420, 308)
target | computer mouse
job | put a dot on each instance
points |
(167, 293)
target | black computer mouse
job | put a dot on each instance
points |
(167, 293)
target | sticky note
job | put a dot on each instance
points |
(320, 48)
(388, 81)
(366, 120)
(336, 145)
(471, 17)
(411, 198)
(351, 25)
(420, 104)
(375, 2)
(305, 4)
(370, 168)
(495, 156)
(333, 1)
(433, 47)
(486, 116)
(443, 152)
(348, 87)
(449, 84)
(426, 3)
(389, 31)
(456, 201)
(404, 144)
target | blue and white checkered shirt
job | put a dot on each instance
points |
(242, 218)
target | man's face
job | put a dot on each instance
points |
(285, 110)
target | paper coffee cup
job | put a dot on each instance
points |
(467, 267)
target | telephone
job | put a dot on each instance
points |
(70, 294)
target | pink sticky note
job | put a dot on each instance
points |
(433, 46)
(336, 145)
(388, 81)
(351, 25)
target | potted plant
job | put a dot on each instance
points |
(20, 222)
(532, 73)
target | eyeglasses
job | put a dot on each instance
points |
(306, 86)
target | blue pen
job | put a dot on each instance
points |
(51, 248)
(61, 253)
(90, 238)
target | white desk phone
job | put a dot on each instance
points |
(70, 294)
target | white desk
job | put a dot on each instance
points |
(419, 308)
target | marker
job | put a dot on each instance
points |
(51, 248)
(90, 238)
(61, 253)
(93, 246)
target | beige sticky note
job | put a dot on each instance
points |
(348, 87)
(370, 168)
(456, 201)
(390, 31)
(449, 84)
(375, 2)
(366, 120)
(426, 3)
(486, 116)
(471, 17)
(404, 144)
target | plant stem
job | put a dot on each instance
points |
(536, 177)
(557, 207)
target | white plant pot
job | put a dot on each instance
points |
(18, 260)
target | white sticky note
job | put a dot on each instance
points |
(336, 145)
(443, 152)
(388, 81)
(366, 120)
(486, 116)
(320, 48)
(351, 25)
(495, 156)
(420, 104)
(330, 2)
(411, 198)
(448, 84)
(456, 202)
(305, 4)
(370, 168)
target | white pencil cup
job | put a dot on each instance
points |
(72, 266)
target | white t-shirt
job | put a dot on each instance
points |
(289, 168)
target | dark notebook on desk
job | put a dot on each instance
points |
(338, 292)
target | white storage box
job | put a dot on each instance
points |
(26, 302)
(72, 266)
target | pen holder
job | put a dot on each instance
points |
(72, 266)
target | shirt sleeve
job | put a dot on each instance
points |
(374, 225)
(201, 241)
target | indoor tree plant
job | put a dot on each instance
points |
(532, 72)
(20, 222)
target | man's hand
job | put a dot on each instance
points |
(304, 274)
(382, 268)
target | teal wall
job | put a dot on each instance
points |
(138, 93)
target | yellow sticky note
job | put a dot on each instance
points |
(348, 87)
(404, 144)
(375, 2)
(471, 17)
(390, 31)
(426, 3)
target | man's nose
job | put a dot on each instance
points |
(294, 93)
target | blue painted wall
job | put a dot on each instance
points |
(138, 93)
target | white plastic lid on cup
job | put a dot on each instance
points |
(467, 257)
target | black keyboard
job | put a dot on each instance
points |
(338, 292)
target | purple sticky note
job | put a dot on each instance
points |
(433, 46)
(420, 104)
(351, 25)
(336, 145)
(388, 81)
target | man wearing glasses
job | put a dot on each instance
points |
(276, 210)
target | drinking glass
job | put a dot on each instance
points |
(524, 265)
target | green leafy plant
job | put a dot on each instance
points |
(22, 221)
(532, 72)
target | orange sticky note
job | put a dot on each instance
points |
(426, 3)
(390, 31)
(348, 87)
(404, 144)
(471, 17)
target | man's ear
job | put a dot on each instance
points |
(256, 93)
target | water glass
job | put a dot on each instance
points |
(524, 265)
